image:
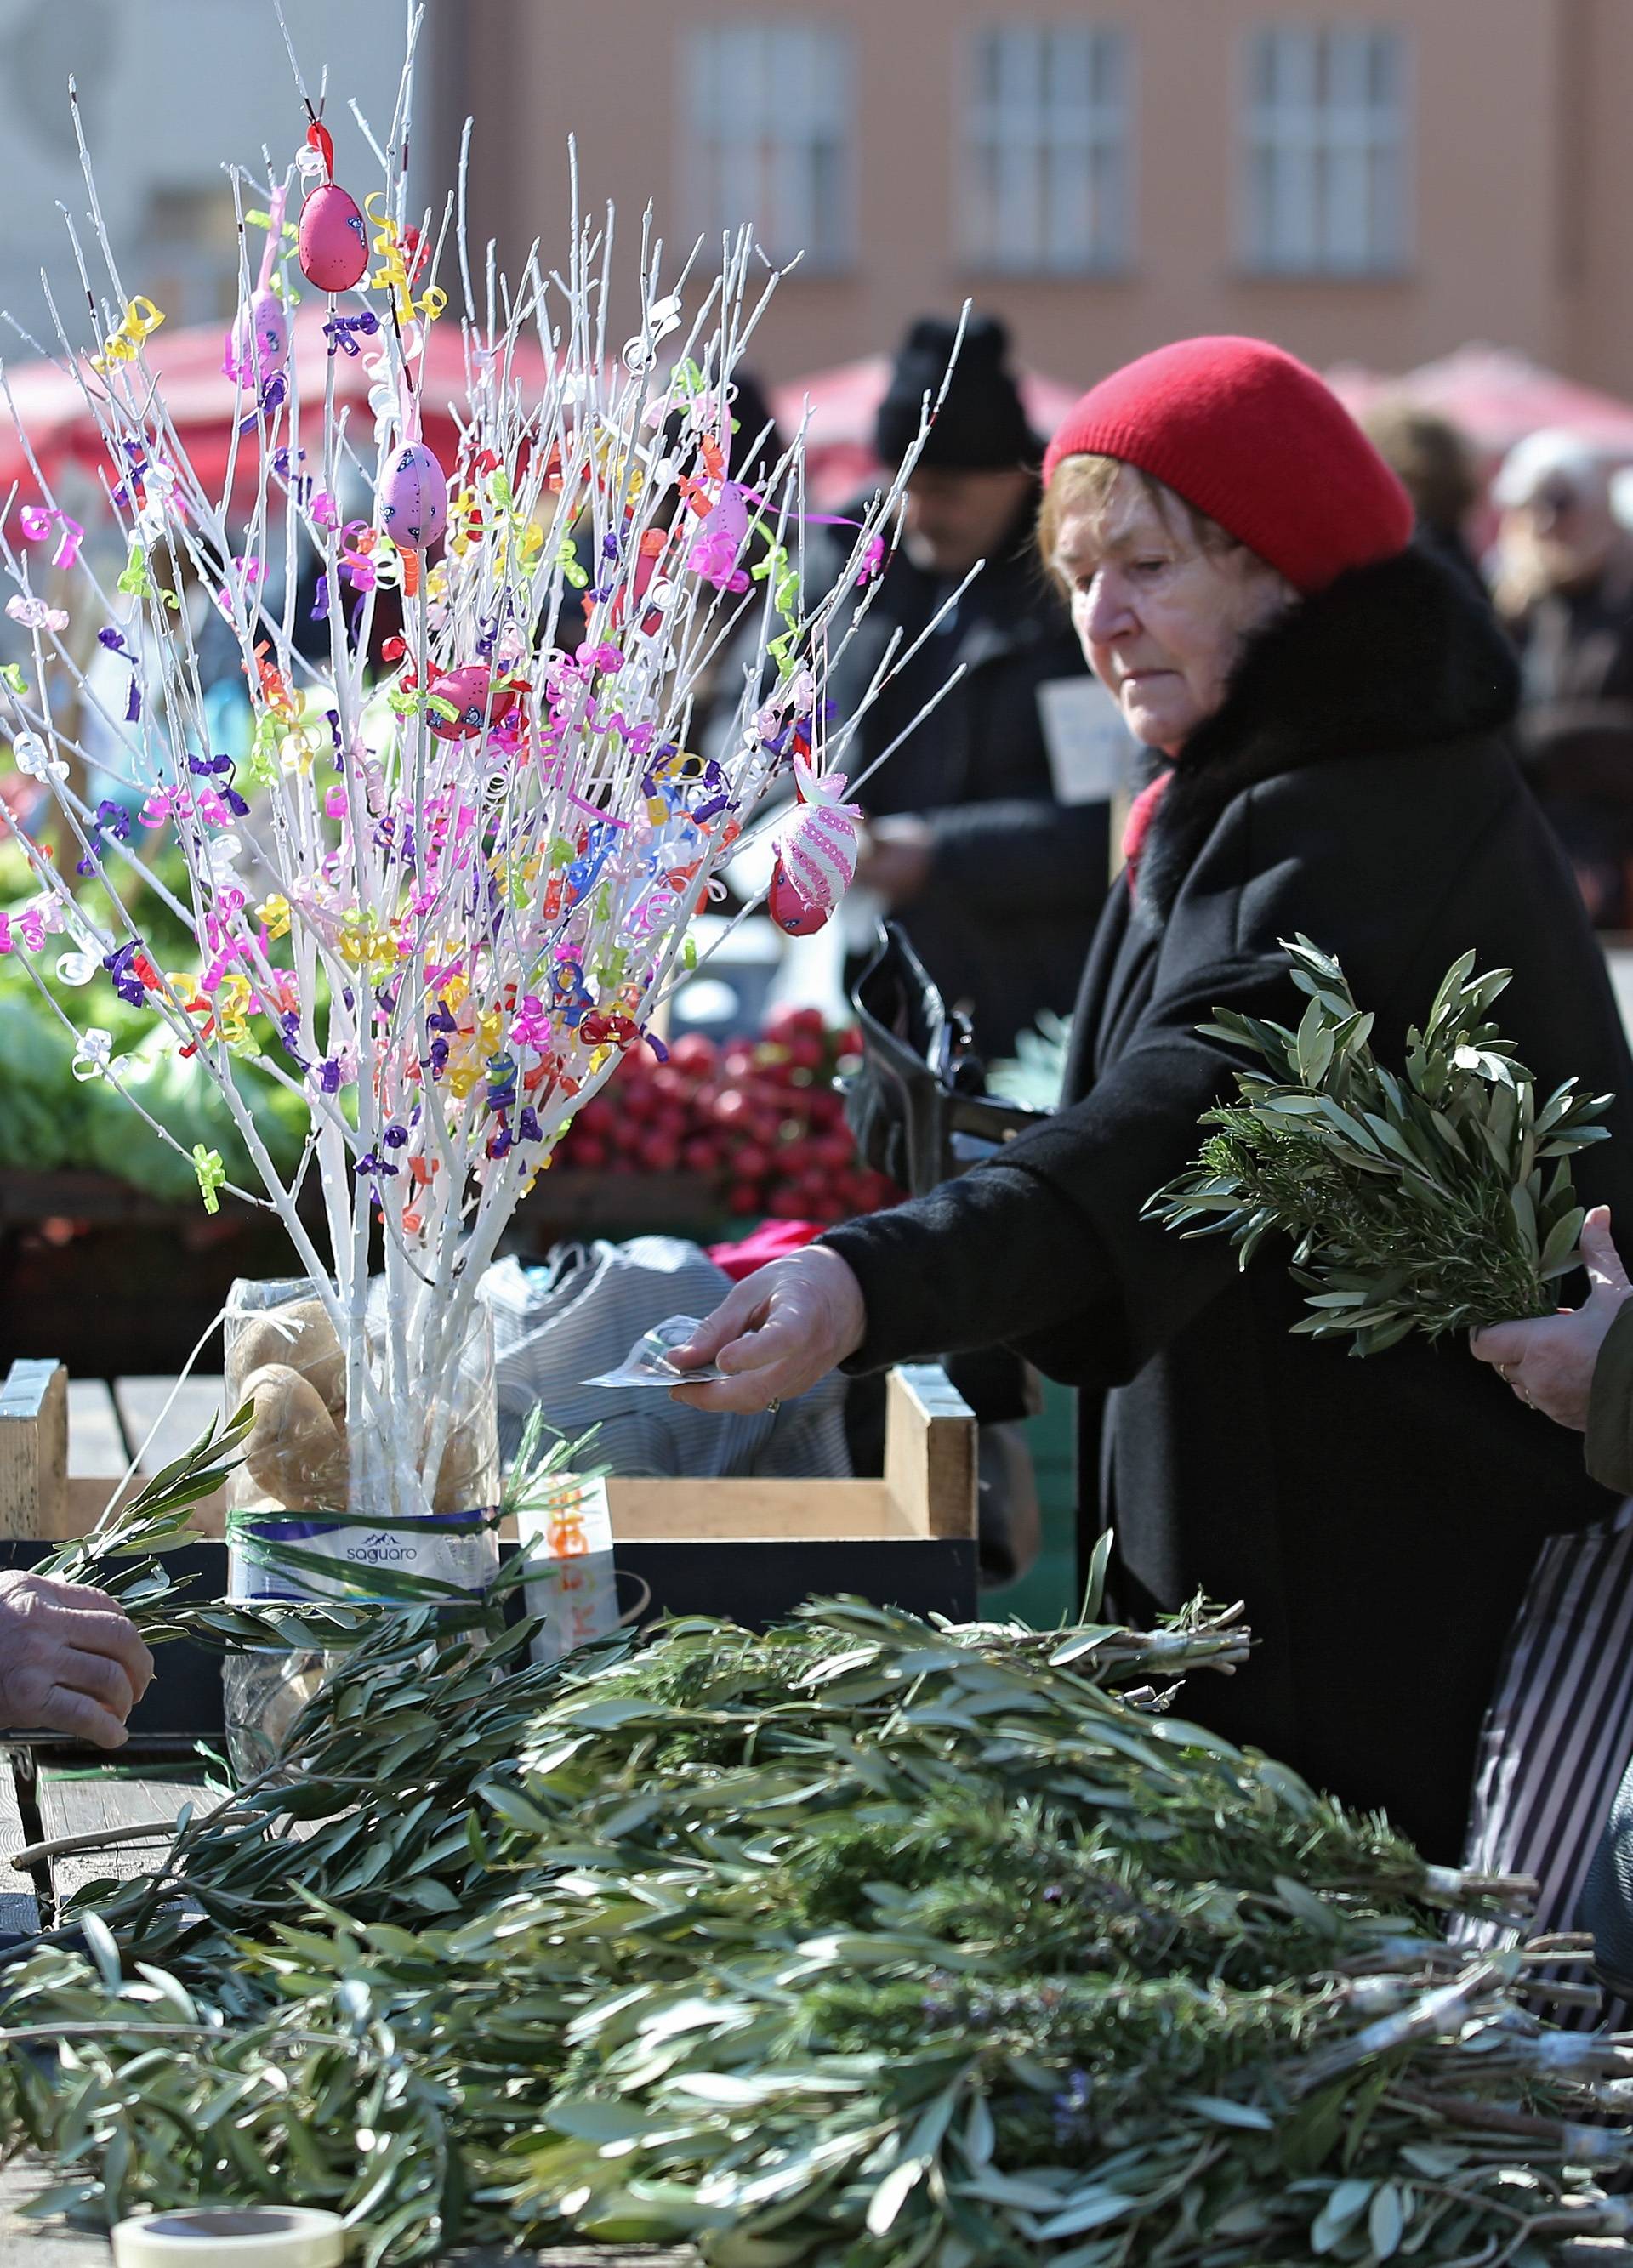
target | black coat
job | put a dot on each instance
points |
(1017, 879)
(1379, 1518)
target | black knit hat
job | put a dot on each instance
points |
(982, 425)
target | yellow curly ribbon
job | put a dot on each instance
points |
(392, 274)
(141, 317)
(365, 942)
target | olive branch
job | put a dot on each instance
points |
(1435, 1201)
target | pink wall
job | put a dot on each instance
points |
(1523, 175)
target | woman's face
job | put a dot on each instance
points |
(1161, 620)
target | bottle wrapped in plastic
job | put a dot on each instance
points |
(366, 1477)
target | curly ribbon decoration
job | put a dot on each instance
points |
(288, 234)
(341, 332)
(518, 540)
(136, 583)
(141, 319)
(785, 596)
(36, 523)
(211, 1175)
(392, 275)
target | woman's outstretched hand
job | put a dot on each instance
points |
(1550, 1361)
(777, 1332)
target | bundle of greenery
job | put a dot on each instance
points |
(1435, 1201)
(867, 1942)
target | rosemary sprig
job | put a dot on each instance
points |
(1434, 1201)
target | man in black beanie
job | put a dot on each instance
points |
(997, 883)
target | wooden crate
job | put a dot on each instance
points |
(65, 1444)
(749, 1551)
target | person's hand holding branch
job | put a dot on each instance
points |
(70, 1659)
(1550, 1361)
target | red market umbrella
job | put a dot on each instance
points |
(203, 402)
(1497, 397)
(842, 401)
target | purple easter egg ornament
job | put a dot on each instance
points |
(414, 497)
(259, 346)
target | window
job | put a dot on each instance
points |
(189, 239)
(1326, 151)
(1046, 172)
(769, 110)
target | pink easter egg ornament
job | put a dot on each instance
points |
(817, 846)
(333, 248)
(794, 913)
(466, 690)
(257, 347)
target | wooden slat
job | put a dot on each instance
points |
(97, 1456)
(70, 1806)
(96, 1445)
(142, 1399)
(929, 1451)
(197, 1402)
(752, 1511)
(18, 1910)
(33, 1450)
(86, 1501)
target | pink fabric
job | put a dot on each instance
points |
(1142, 812)
(771, 1241)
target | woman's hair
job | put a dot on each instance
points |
(1085, 483)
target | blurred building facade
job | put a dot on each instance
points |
(169, 93)
(1367, 179)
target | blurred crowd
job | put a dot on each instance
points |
(990, 831)
(1548, 532)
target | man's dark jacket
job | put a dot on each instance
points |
(1379, 1518)
(1017, 879)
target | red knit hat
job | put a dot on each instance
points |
(1250, 436)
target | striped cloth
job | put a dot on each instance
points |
(580, 1314)
(1559, 1733)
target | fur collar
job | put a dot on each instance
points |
(1402, 655)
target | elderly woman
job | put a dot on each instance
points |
(1328, 710)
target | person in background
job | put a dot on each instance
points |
(997, 883)
(1564, 590)
(1435, 464)
(70, 1659)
